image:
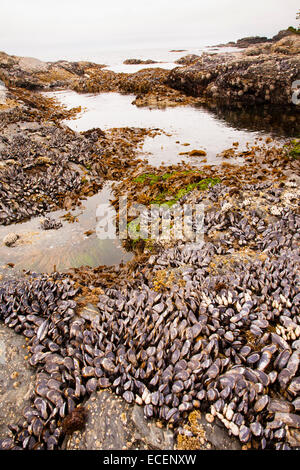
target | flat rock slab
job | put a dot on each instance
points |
(113, 424)
(217, 435)
(16, 378)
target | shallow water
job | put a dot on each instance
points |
(212, 130)
(68, 247)
(201, 128)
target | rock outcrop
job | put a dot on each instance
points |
(34, 74)
(261, 74)
(188, 59)
(139, 61)
(254, 40)
(251, 41)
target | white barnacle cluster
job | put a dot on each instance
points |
(276, 210)
(288, 333)
(224, 300)
(2, 93)
(246, 202)
(291, 184)
(285, 301)
(226, 207)
(290, 196)
(226, 418)
(205, 300)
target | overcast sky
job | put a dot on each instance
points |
(56, 27)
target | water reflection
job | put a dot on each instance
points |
(68, 247)
(211, 129)
(276, 120)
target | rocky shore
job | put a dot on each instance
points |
(188, 345)
(254, 40)
(85, 77)
(261, 74)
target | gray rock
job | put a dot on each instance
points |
(16, 378)
(90, 312)
(112, 424)
(217, 435)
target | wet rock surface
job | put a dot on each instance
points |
(204, 432)
(50, 224)
(16, 378)
(34, 74)
(113, 424)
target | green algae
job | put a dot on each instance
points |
(149, 177)
(295, 151)
(133, 229)
(166, 197)
(152, 178)
(294, 148)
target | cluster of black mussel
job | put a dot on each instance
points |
(225, 340)
(39, 165)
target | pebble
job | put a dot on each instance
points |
(10, 239)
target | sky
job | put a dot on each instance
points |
(61, 27)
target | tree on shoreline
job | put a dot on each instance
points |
(296, 30)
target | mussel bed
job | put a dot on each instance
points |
(223, 336)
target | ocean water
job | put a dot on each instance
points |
(166, 58)
(114, 58)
